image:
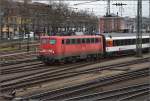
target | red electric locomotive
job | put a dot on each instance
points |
(70, 48)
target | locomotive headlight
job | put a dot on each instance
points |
(43, 50)
(51, 51)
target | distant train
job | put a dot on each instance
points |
(72, 48)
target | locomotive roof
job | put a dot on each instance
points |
(75, 36)
(123, 34)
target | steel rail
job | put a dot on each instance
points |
(45, 71)
(124, 91)
(23, 68)
(43, 76)
(146, 92)
(90, 85)
(105, 82)
(63, 73)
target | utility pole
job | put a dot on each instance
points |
(26, 2)
(108, 8)
(149, 26)
(149, 10)
(139, 29)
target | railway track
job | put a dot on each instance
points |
(119, 94)
(18, 57)
(66, 72)
(41, 76)
(34, 65)
(85, 87)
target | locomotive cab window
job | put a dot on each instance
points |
(52, 41)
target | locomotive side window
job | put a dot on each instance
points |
(52, 41)
(83, 40)
(92, 40)
(97, 40)
(78, 41)
(73, 41)
(68, 41)
(88, 40)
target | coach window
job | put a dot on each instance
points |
(143, 40)
(127, 42)
(78, 41)
(118, 42)
(131, 41)
(114, 43)
(123, 42)
(68, 41)
(146, 40)
(134, 41)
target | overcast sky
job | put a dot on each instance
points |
(99, 7)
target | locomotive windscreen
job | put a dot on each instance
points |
(52, 41)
